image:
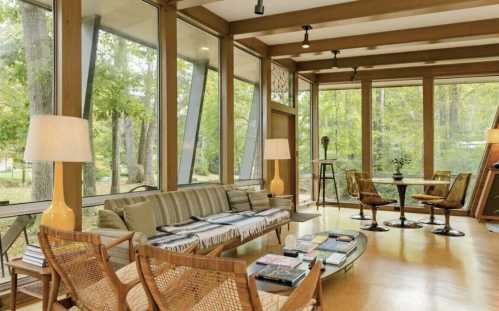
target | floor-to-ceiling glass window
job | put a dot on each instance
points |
(463, 110)
(304, 143)
(26, 90)
(340, 119)
(397, 132)
(247, 117)
(198, 96)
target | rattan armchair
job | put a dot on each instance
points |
(454, 200)
(437, 192)
(369, 196)
(353, 191)
(176, 281)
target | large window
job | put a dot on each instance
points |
(340, 120)
(463, 112)
(397, 131)
(198, 119)
(304, 145)
(121, 102)
(26, 89)
(247, 117)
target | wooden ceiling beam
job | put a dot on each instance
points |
(205, 17)
(464, 69)
(432, 33)
(184, 4)
(490, 50)
(355, 11)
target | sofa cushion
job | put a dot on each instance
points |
(110, 219)
(140, 218)
(259, 200)
(238, 200)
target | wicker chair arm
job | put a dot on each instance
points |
(127, 237)
(307, 292)
(216, 251)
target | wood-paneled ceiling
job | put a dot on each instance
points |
(371, 34)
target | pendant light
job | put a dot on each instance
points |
(306, 43)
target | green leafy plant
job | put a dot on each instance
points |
(399, 163)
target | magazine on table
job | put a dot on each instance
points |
(279, 260)
(282, 275)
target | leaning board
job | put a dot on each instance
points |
(488, 206)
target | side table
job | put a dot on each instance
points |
(40, 289)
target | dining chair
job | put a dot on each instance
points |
(369, 196)
(436, 192)
(176, 281)
(353, 191)
(454, 200)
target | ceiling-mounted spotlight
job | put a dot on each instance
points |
(306, 43)
(259, 8)
(335, 58)
(354, 73)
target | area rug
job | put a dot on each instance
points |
(302, 217)
(493, 227)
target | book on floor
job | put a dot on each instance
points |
(282, 275)
(278, 260)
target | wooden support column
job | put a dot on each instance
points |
(367, 108)
(168, 95)
(227, 69)
(68, 86)
(315, 139)
(428, 127)
(267, 114)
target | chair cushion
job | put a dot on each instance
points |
(445, 204)
(238, 200)
(140, 217)
(376, 201)
(111, 220)
(259, 200)
(425, 197)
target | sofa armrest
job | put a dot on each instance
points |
(119, 254)
(281, 203)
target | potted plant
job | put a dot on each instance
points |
(398, 164)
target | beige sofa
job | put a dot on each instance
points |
(178, 206)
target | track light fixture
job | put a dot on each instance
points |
(306, 43)
(354, 73)
(335, 58)
(259, 8)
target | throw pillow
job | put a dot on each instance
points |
(238, 200)
(109, 219)
(140, 218)
(259, 200)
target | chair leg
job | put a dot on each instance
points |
(361, 215)
(447, 230)
(431, 220)
(374, 223)
(278, 234)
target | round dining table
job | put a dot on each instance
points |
(402, 185)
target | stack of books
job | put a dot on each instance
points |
(33, 255)
(278, 260)
(282, 275)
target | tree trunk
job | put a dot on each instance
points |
(115, 153)
(131, 158)
(39, 66)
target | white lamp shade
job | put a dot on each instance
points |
(277, 149)
(57, 138)
(493, 136)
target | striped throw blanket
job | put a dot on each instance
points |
(207, 234)
(216, 229)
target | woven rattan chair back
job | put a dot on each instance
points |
(440, 190)
(191, 282)
(78, 259)
(352, 186)
(459, 188)
(366, 186)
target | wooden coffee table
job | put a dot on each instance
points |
(330, 271)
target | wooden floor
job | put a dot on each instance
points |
(409, 269)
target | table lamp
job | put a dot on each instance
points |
(58, 139)
(493, 138)
(277, 149)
